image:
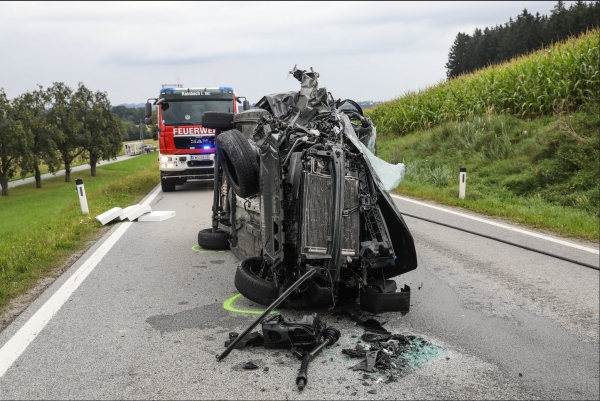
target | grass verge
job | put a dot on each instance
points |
(41, 227)
(79, 160)
(542, 173)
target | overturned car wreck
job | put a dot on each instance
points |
(296, 190)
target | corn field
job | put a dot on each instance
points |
(548, 81)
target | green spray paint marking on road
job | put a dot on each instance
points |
(228, 305)
(196, 248)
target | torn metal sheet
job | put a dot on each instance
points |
(368, 365)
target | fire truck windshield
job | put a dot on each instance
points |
(189, 112)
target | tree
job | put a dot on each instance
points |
(103, 131)
(130, 131)
(458, 62)
(30, 110)
(66, 127)
(154, 124)
(129, 114)
(520, 36)
(14, 141)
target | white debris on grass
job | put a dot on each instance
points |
(109, 215)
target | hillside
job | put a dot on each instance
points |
(527, 131)
(549, 81)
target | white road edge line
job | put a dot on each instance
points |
(19, 342)
(493, 223)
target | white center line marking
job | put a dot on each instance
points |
(18, 343)
(493, 223)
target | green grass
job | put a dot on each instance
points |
(79, 160)
(543, 173)
(41, 227)
(558, 79)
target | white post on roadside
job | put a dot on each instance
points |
(462, 182)
(82, 197)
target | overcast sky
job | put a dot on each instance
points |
(363, 50)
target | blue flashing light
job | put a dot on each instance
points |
(225, 88)
(206, 147)
(164, 90)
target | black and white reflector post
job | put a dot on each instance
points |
(462, 182)
(82, 197)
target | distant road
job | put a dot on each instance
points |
(28, 180)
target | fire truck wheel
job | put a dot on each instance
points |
(168, 185)
(251, 284)
(217, 120)
(238, 160)
(218, 241)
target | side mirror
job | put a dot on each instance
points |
(147, 121)
(148, 111)
(246, 105)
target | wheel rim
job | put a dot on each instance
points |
(260, 268)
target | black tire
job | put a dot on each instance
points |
(238, 160)
(217, 120)
(251, 286)
(218, 241)
(168, 185)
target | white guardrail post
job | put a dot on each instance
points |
(462, 182)
(82, 197)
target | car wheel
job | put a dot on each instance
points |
(252, 280)
(218, 240)
(238, 160)
(217, 120)
(168, 185)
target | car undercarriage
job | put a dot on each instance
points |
(296, 190)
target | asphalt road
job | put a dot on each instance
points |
(148, 321)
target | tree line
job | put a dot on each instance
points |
(132, 119)
(53, 126)
(520, 36)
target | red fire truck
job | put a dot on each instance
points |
(186, 148)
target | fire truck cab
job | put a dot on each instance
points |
(186, 148)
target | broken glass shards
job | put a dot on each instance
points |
(390, 174)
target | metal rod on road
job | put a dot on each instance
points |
(274, 305)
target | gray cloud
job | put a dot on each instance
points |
(366, 50)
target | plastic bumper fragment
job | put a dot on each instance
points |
(377, 302)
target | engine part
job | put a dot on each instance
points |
(330, 336)
(253, 339)
(274, 305)
(305, 333)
